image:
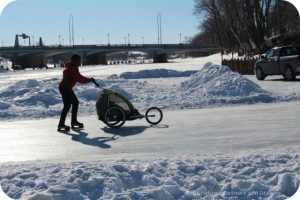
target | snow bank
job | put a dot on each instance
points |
(254, 176)
(220, 84)
(212, 86)
(30, 98)
(4, 105)
(156, 73)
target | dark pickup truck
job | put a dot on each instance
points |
(279, 61)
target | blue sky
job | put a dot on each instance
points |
(95, 19)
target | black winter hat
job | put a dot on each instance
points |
(76, 57)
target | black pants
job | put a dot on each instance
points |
(69, 98)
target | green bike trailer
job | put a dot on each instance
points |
(114, 109)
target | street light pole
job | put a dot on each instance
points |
(143, 40)
(128, 39)
(59, 40)
(71, 30)
(108, 41)
(159, 31)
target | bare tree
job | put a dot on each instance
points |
(244, 25)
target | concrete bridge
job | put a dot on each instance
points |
(35, 56)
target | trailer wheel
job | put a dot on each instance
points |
(115, 117)
(154, 115)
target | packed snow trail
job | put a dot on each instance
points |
(197, 131)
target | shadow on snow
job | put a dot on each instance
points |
(96, 142)
(100, 142)
(130, 130)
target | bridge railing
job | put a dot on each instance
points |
(112, 46)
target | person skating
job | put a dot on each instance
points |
(71, 76)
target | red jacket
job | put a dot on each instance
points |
(71, 75)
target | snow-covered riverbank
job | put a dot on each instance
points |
(254, 176)
(211, 86)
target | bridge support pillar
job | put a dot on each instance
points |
(160, 58)
(96, 59)
(84, 58)
(30, 61)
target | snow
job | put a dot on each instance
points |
(219, 84)
(213, 85)
(156, 73)
(246, 159)
(254, 176)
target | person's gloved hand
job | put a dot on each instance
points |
(94, 81)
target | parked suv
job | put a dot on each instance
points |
(279, 61)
